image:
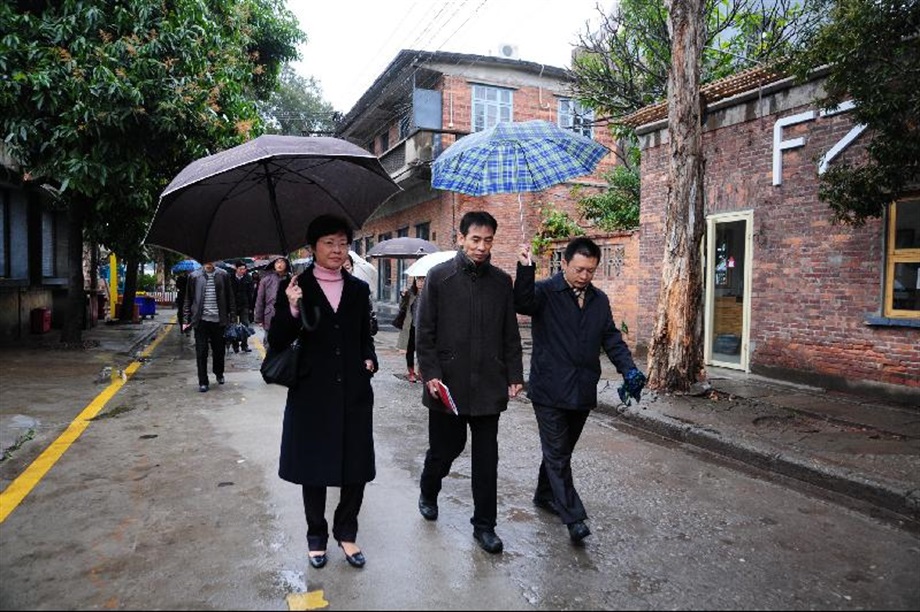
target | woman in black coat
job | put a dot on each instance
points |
(327, 439)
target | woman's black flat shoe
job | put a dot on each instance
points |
(318, 561)
(355, 560)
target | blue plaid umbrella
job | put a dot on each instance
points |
(515, 157)
(186, 265)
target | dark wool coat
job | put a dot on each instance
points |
(327, 438)
(565, 366)
(467, 335)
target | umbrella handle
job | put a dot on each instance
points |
(307, 325)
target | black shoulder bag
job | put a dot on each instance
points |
(280, 366)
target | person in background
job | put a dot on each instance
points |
(467, 338)
(278, 271)
(405, 321)
(242, 290)
(181, 284)
(327, 438)
(571, 324)
(209, 307)
(349, 266)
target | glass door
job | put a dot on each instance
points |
(728, 248)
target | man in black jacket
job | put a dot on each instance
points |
(242, 290)
(467, 338)
(571, 323)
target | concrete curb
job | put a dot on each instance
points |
(904, 502)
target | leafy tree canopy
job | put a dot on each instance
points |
(624, 63)
(110, 99)
(872, 49)
(297, 108)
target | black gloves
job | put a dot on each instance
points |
(633, 383)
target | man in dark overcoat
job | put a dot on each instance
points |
(467, 338)
(571, 324)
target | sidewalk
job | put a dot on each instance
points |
(861, 452)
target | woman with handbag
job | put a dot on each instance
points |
(327, 438)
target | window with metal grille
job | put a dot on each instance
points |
(573, 116)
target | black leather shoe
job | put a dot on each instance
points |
(220, 380)
(355, 560)
(546, 504)
(429, 509)
(578, 531)
(318, 561)
(246, 349)
(203, 388)
(488, 541)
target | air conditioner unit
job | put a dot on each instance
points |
(508, 51)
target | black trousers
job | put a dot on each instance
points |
(344, 521)
(559, 433)
(243, 317)
(209, 335)
(410, 349)
(446, 440)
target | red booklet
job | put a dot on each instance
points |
(447, 400)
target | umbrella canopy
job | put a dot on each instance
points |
(403, 248)
(426, 263)
(186, 265)
(364, 270)
(261, 196)
(514, 157)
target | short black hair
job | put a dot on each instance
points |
(582, 246)
(240, 263)
(477, 217)
(327, 225)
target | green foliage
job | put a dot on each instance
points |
(625, 62)
(110, 100)
(298, 108)
(147, 282)
(616, 208)
(555, 224)
(873, 53)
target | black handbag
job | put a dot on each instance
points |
(280, 367)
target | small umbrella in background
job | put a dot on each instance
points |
(260, 196)
(404, 247)
(364, 270)
(513, 158)
(426, 263)
(186, 265)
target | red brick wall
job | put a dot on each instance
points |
(510, 210)
(814, 283)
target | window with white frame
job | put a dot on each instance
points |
(573, 116)
(902, 277)
(491, 105)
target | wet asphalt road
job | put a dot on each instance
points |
(170, 500)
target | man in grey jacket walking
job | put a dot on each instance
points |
(209, 307)
(467, 338)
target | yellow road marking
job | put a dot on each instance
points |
(314, 600)
(13, 495)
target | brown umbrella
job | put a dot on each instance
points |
(259, 197)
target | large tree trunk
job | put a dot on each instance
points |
(675, 350)
(126, 314)
(72, 329)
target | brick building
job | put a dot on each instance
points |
(421, 103)
(788, 293)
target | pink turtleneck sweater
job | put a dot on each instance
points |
(331, 282)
